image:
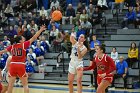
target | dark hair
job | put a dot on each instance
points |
(93, 35)
(114, 48)
(31, 48)
(134, 47)
(102, 47)
(85, 11)
(17, 39)
(86, 43)
(53, 7)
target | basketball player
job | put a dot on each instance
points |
(76, 63)
(17, 64)
(105, 68)
(5, 75)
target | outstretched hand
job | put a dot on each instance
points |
(43, 28)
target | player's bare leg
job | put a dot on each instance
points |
(79, 80)
(103, 85)
(71, 79)
(11, 84)
(24, 81)
(4, 89)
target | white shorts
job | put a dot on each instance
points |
(4, 77)
(73, 65)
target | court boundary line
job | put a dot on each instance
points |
(66, 89)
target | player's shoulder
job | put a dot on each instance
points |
(95, 57)
(28, 41)
(106, 55)
(107, 58)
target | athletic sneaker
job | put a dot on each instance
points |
(19, 82)
(112, 88)
(125, 28)
(90, 86)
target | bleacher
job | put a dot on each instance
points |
(113, 37)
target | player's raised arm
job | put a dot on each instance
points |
(72, 38)
(37, 34)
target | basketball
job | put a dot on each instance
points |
(56, 15)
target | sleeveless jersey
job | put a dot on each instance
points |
(29, 67)
(45, 45)
(18, 51)
(74, 54)
(39, 51)
(32, 56)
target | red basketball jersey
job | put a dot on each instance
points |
(104, 64)
(18, 51)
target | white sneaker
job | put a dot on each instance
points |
(112, 88)
(15, 84)
(19, 82)
(90, 86)
(125, 28)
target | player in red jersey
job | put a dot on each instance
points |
(105, 68)
(17, 65)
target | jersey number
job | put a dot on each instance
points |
(17, 52)
(76, 54)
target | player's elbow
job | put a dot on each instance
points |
(32, 39)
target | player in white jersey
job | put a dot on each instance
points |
(5, 75)
(76, 63)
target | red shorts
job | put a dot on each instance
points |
(99, 79)
(17, 70)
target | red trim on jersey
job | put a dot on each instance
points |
(9, 48)
(26, 44)
(110, 67)
(101, 58)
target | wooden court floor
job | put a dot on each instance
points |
(52, 88)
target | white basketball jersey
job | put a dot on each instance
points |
(74, 54)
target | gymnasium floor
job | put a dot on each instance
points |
(52, 88)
